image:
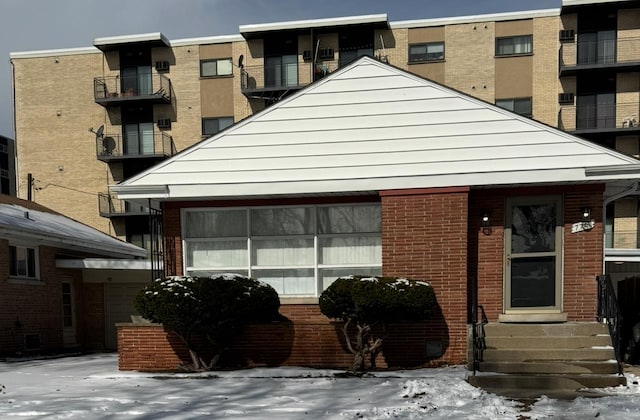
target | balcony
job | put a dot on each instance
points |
(110, 206)
(275, 82)
(619, 118)
(116, 90)
(620, 54)
(156, 145)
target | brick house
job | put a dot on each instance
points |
(51, 299)
(375, 170)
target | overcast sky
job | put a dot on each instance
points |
(28, 25)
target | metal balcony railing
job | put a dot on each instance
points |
(600, 117)
(109, 206)
(601, 53)
(151, 145)
(113, 90)
(256, 81)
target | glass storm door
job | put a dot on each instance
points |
(533, 249)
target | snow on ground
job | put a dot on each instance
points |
(91, 387)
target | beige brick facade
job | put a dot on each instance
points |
(55, 105)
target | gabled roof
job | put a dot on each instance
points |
(34, 224)
(369, 127)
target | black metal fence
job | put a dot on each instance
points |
(609, 312)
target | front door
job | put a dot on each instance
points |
(533, 255)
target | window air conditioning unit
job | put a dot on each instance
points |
(326, 53)
(306, 55)
(565, 98)
(162, 65)
(567, 35)
(164, 123)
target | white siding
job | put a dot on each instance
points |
(370, 127)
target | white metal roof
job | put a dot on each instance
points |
(371, 127)
(312, 23)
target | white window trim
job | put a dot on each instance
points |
(16, 279)
(250, 267)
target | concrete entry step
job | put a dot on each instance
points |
(551, 367)
(558, 360)
(565, 342)
(568, 329)
(546, 382)
(558, 354)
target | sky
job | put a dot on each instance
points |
(30, 25)
(91, 387)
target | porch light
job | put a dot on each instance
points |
(586, 214)
(484, 222)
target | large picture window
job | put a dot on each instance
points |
(299, 250)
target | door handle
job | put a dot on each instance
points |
(508, 259)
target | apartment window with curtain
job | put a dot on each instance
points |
(217, 67)
(514, 45)
(431, 51)
(520, 106)
(138, 139)
(212, 126)
(299, 250)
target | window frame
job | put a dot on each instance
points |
(513, 102)
(314, 237)
(217, 119)
(426, 54)
(216, 60)
(499, 40)
(14, 273)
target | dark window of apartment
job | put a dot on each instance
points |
(596, 111)
(432, 51)
(354, 43)
(218, 67)
(281, 60)
(520, 106)
(597, 47)
(514, 45)
(22, 262)
(211, 126)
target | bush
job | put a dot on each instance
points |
(363, 302)
(211, 308)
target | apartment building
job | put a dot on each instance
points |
(87, 118)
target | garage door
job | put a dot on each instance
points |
(119, 308)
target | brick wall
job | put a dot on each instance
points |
(424, 236)
(304, 338)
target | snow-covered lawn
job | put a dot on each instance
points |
(91, 387)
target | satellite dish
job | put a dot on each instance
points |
(240, 60)
(99, 133)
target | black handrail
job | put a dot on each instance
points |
(609, 312)
(478, 335)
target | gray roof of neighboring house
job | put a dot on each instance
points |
(22, 220)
